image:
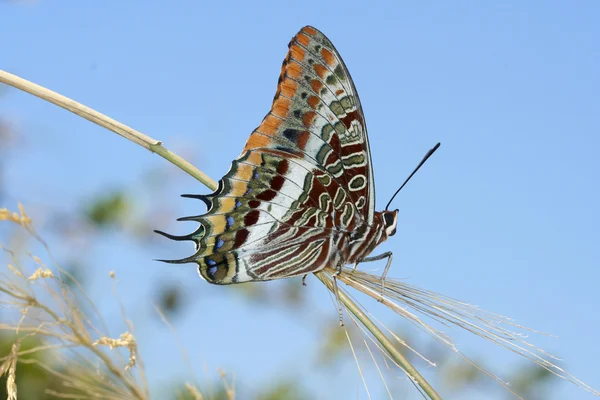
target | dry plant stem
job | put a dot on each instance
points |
(82, 339)
(156, 147)
(382, 338)
(136, 137)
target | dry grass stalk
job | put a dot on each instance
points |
(194, 392)
(22, 218)
(9, 367)
(126, 340)
(229, 388)
(413, 303)
(48, 308)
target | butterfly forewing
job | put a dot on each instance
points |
(303, 182)
(316, 114)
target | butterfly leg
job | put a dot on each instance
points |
(388, 255)
(385, 271)
(304, 279)
(338, 270)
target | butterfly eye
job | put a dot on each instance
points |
(390, 218)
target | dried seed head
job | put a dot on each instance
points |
(41, 273)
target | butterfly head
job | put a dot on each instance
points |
(390, 220)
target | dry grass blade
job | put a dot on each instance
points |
(348, 337)
(9, 367)
(327, 277)
(413, 303)
(47, 308)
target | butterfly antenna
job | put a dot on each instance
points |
(429, 153)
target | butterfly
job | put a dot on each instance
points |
(301, 196)
(300, 199)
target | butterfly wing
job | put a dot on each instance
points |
(317, 115)
(302, 183)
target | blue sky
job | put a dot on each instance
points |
(505, 215)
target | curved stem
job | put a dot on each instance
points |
(410, 370)
(94, 116)
(156, 146)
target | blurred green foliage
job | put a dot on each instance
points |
(532, 382)
(109, 209)
(33, 381)
(288, 390)
(171, 300)
(183, 392)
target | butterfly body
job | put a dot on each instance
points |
(301, 196)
